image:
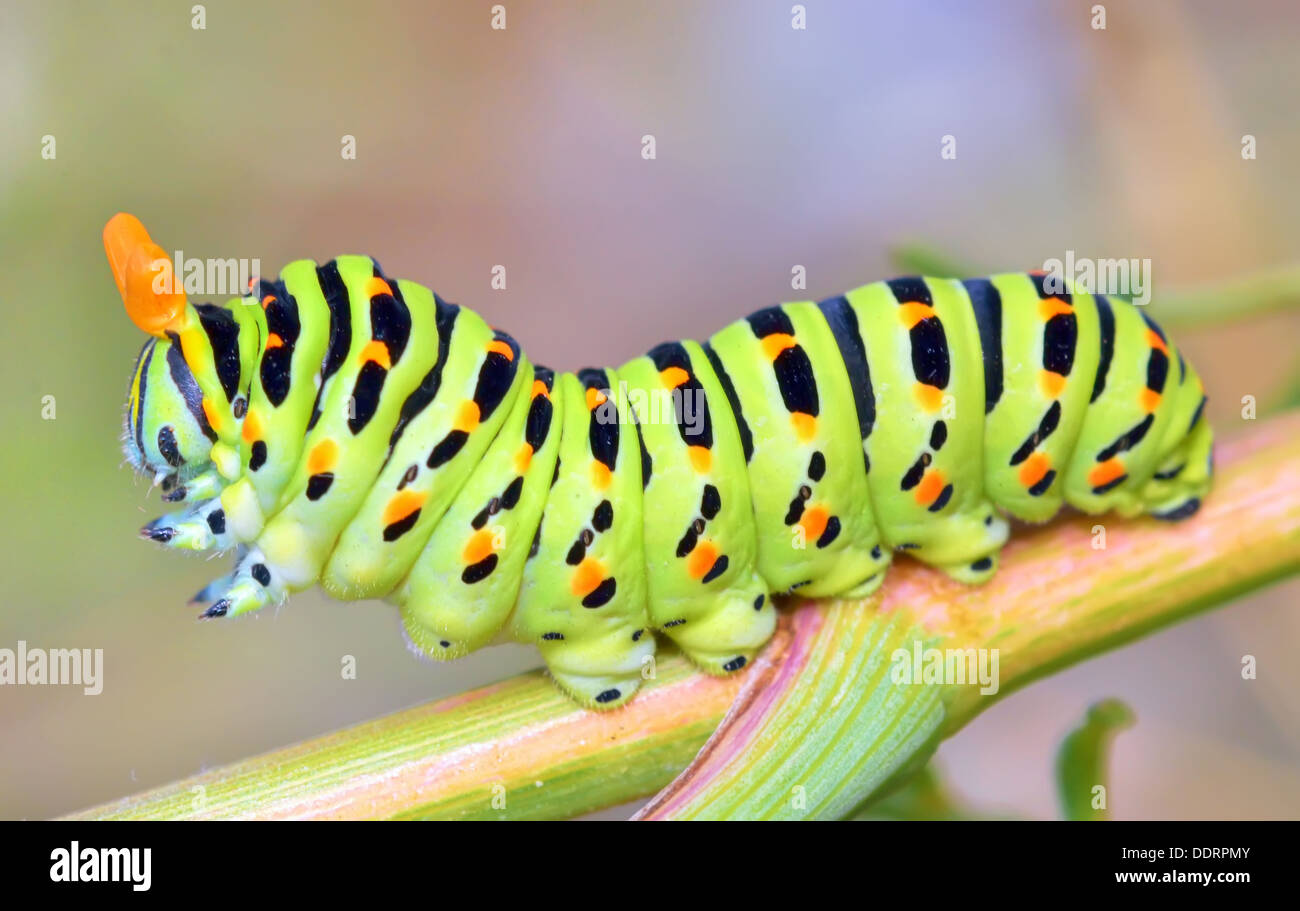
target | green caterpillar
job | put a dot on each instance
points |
(344, 429)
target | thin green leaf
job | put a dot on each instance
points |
(1082, 763)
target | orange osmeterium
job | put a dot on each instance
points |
(154, 300)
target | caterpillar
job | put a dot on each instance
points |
(340, 428)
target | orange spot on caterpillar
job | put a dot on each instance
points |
(701, 458)
(523, 458)
(701, 559)
(467, 417)
(402, 505)
(912, 313)
(539, 388)
(479, 546)
(595, 398)
(805, 425)
(266, 301)
(930, 487)
(929, 397)
(323, 457)
(1156, 342)
(274, 341)
(586, 577)
(1035, 468)
(1106, 472)
(1052, 383)
(1149, 399)
(496, 346)
(210, 412)
(252, 429)
(376, 351)
(776, 343)
(814, 522)
(1049, 307)
(600, 475)
(672, 377)
(377, 286)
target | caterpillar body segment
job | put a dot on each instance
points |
(298, 331)
(480, 374)
(583, 599)
(815, 522)
(462, 587)
(701, 550)
(926, 444)
(1036, 410)
(340, 428)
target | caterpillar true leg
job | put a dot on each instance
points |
(362, 434)
(202, 527)
(253, 585)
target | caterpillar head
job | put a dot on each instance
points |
(167, 429)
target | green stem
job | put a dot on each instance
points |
(518, 749)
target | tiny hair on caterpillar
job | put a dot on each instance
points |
(340, 428)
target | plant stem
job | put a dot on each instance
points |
(518, 749)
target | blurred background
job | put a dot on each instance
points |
(522, 147)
